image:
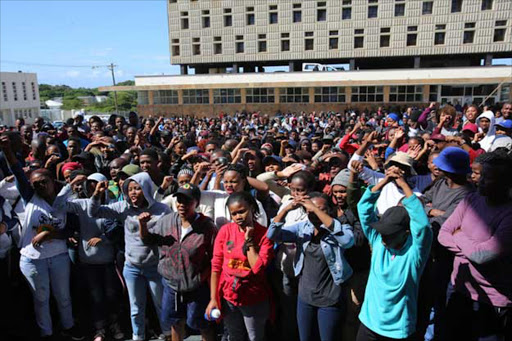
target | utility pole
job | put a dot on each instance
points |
(111, 68)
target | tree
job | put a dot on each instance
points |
(69, 103)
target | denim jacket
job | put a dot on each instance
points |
(333, 245)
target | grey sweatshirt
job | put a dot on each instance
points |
(136, 252)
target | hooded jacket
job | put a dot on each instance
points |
(136, 252)
(488, 140)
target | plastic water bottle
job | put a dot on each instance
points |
(214, 315)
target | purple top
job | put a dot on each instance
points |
(483, 250)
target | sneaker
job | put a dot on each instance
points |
(73, 333)
(99, 335)
(116, 332)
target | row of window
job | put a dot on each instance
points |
(321, 12)
(5, 96)
(333, 42)
(286, 95)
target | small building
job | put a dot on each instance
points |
(53, 104)
(211, 94)
(20, 97)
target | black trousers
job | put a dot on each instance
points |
(474, 321)
(365, 334)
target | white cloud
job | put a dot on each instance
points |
(101, 52)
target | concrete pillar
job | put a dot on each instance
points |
(235, 68)
(352, 64)
(243, 93)
(488, 59)
(386, 88)
(184, 69)
(426, 93)
(311, 93)
(249, 68)
(276, 95)
(180, 96)
(417, 62)
(151, 97)
(348, 94)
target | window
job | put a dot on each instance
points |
(469, 35)
(228, 18)
(321, 12)
(217, 48)
(262, 46)
(412, 37)
(432, 97)
(250, 17)
(346, 13)
(440, 34)
(175, 50)
(206, 18)
(486, 5)
(385, 40)
(24, 88)
(165, 97)
(260, 95)
(285, 45)
(373, 11)
(427, 7)
(406, 93)
(4, 91)
(367, 94)
(196, 48)
(456, 6)
(294, 95)
(272, 15)
(358, 42)
(500, 23)
(499, 34)
(347, 2)
(333, 43)
(239, 47)
(399, 9)
(142, 97)
(34, 96)
(439, 38)
(196, 96)
(14, 91)
(226, 96)
(309, 44)
(297, 16)
(184, 20)
(331, 94)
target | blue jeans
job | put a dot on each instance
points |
(104, 288)
(42, 274)
(327, 319)
(137, 281)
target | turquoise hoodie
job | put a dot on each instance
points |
(391, 298)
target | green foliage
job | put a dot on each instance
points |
(127, 100)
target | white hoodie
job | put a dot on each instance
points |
(487, 141)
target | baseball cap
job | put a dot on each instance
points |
(470, 127)
(438, 137)
(189, 191)
(393, 220)
(271, 159)
(507, 124)
(130, 170)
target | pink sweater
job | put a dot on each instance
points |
(482, 267)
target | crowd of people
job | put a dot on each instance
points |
(383, 224)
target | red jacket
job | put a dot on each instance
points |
(238, 283)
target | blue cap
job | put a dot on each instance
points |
(507, 124)
(453, 160)
(394, 117)
(272, 158)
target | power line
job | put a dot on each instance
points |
(52, 65)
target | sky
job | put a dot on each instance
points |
(80, 34)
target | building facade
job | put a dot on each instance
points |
(209, 95)
(20, 97)
(245, 35)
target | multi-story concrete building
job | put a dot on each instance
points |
(209, 35)
(398, 52)
(20, 97)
